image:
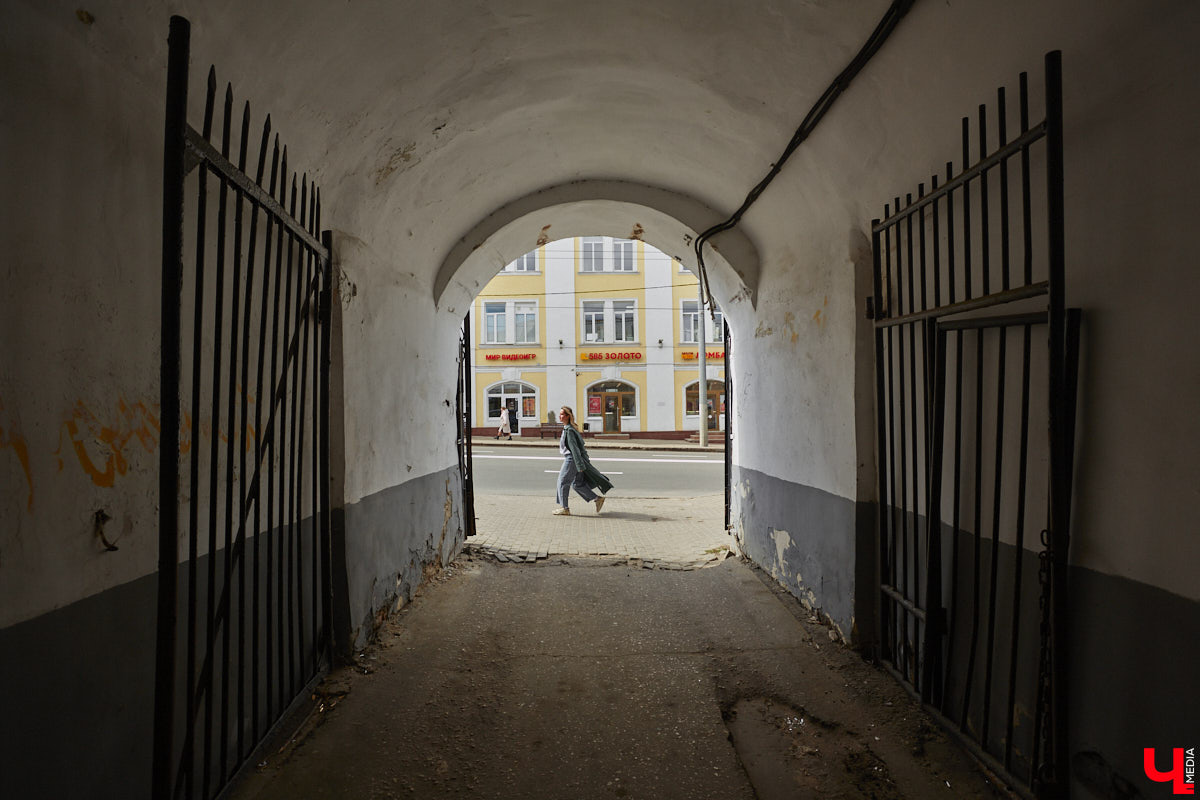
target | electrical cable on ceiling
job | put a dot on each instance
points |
(891, 18)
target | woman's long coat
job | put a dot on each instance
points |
(583, 464)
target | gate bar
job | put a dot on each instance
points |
(168, 466)
(969, 173)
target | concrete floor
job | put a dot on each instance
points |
(587, 678)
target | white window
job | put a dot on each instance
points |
(602, 254)
(526, 263)
(510, 322)
(716, 325)
(623, 255)
(593, 254)
(593, 321)
(494, 317)
(609, 321)
(624, 318)
(689, 332)
(525, 322)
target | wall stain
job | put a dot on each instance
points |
(637, 232)
(400, 156)
(10, 438)
(544, 236)
(788, 319)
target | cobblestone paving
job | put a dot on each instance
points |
(655, 533)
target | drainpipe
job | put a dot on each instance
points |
(702, 387)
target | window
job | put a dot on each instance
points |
(691, 321)
(519, 397)
(593, 254)
(690, 330)
(612, 400)
(494, 317)
(623, 321)
(525, 323)
(510, 322)
(623, 255)
(593, 321)
(610, 321)
(715, 390)
(526, 263)
(716, 325)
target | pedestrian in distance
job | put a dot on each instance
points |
(504, 429)
(577, 471)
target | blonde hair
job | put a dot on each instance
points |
(571, 414)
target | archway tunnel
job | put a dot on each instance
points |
(449, 139)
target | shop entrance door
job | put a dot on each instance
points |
(612, 413)
(611, 401)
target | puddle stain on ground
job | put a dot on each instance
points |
(788, 753)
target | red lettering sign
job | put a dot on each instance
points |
(509, 356)
(1181, 781)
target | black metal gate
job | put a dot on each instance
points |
(728, 411)
(244, 612)
(968, 277)
(463, 420)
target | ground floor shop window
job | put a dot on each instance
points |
(610, 401)
(716, 402)
(519, 398)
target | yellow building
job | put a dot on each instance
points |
(606, 326)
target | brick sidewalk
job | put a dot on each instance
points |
(659, 532)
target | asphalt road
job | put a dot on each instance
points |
(634, 473)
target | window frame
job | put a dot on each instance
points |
(490, 392)
(591, 263)
(608, 320)
(520, 265)
(487, 338)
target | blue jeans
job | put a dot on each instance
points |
(568, 476)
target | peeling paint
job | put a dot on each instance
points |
(637, 232)
(544, 237)
(783, 540)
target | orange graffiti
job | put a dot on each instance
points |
(101, 449)
(134, 421)
(19, 448)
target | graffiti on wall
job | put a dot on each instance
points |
(104, 444)
(11, 440)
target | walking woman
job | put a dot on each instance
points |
(504, 429)
(577, 470)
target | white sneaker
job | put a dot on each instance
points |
(599, 504)
(562, 512)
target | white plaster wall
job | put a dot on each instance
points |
(421, 120)
(79, 311)
(660, 385)
(560, 318)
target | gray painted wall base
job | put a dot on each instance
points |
(79, 707)
(391, 538)
(803, 537)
